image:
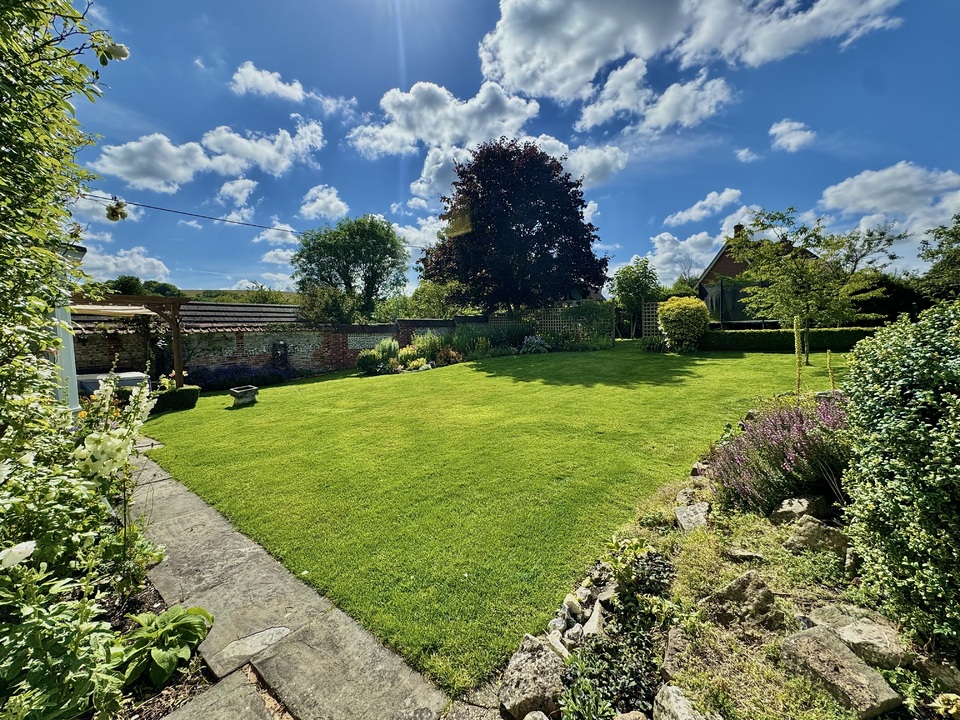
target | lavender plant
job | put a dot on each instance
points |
(784, 451)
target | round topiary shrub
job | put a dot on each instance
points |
(683, 321)
(904, 480)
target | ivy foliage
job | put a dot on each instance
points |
(904, 480)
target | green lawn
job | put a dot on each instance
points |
(450, 511)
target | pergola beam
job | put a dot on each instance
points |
(166, 308)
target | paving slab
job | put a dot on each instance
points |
(233, 698)
(314, 658)
(332, 669)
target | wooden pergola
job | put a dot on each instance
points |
(166, 308)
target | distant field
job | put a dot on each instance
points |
(450, 511)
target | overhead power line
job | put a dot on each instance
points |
(102, 198)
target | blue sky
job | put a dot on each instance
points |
(681, 117)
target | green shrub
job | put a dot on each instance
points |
(387, 348)
(368, 362)
(447, 356)
(652, 343)
(184, 398)
(407, 355)
(904, 481)
(510, 335)
(464, 339)
(428, 345)
(416, 364)
(683, 321)
(533, 345)
(821, 339)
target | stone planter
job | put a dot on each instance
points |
(244, 395)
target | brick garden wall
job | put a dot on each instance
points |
(96, 353)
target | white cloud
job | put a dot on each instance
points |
(135, 261)
(421, 235)
(278, 281)
(672, 256)
(790, 135)
(623, 94)
(556, 48)
(417, 204)
(438, 173)
(273, 154)
(900, 188)
(431, 115)
(249, 79)
(92, 237)
(237, 191)
(914, 197)
(687, 104)
(336, 105)
(595, 164)
(591, 211)
(323, 201)
(746, 155)
(155, 163)
(198, 62)
(279, 234)
(279, 256)
(713, 203)
(190, 224)
(241, 214)
(243, 284)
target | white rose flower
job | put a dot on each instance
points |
(17, 554)
(117, 51)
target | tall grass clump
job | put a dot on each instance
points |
(784, 450)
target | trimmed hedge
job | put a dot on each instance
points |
(821, 339)
(184, 398)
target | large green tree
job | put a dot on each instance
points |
(942, 248)
(633, 285)
(358, 261)
(515, 231)
(801, 271)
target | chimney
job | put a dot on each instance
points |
(737, 230)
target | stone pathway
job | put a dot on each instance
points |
(312, 658)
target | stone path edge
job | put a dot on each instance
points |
(316, 660)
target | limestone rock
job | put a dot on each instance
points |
(573, 637)
(699, 469)
(877, 645)
(582, 594)
(816, 536)
(573, 607)
(946, 674)
(677, 644)
(535, 715)
(594, 625)
(532, 680)
(693, 516)
(793, 509)
(738, 554)
(838, 616)
(555, 642)
(558, 624)
(819, 654)
(632, 715)
(687, 496)
(607, 594)
(746, 604)
(672, 704)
